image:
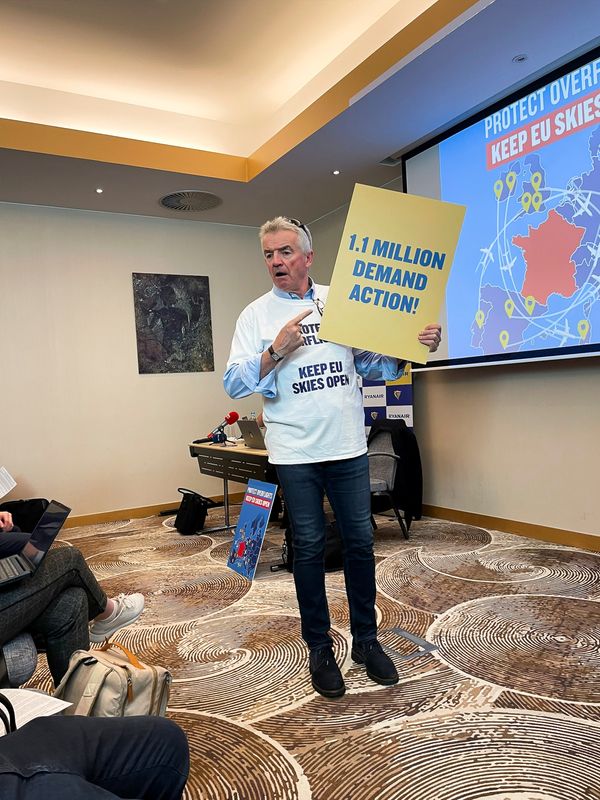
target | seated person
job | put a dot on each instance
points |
(57, 602)
(97, 758)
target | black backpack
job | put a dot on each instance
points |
(192, 512)
(334, 550)
(408, 485)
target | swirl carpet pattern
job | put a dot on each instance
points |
(496, 639)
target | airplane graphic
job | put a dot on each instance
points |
(565, 334)
(487, 254)
(595, 291)
(509, 264)
(584, 205)
(594, 250)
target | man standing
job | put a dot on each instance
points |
(315, 437)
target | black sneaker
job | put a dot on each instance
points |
(380, 667)
(325, 673)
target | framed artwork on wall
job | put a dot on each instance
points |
(172, 323)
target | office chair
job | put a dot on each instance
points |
(18, 661)
(383, 463)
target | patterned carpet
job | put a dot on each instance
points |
(500, 700)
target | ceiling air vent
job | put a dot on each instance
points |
(190, 201)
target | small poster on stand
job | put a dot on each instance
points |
(250, 530)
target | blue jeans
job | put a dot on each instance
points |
(346, 484)
(97, 758)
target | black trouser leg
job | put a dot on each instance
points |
(52, 758)
(62, 629)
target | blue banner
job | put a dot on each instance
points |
(250, 530)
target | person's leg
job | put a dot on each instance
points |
(303, 489)
(145, 757)
(141, 757)
(62, 629)
(23, 603)
(303, 486)
(50, 786)
(348, 489)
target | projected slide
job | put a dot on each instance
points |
(526, 276)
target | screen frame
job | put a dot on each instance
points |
(546, 354)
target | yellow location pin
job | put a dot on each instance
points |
(498, 186)
(536, 180)
(479, 318)
(583, 328)
(536, 200)
(504, 337)
(526, 201)
(530, 304)
(509, 307)
(511, 179)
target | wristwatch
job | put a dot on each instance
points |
(275, 356)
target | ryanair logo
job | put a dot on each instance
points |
(397, 394)
(374, 414)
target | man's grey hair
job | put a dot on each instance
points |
(285, 224)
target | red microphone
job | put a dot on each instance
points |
(232, 417)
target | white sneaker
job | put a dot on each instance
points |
(128, 608)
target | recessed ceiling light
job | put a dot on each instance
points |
(99, 190)
(520, 58)
(335, 172)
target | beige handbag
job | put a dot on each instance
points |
(102, 683)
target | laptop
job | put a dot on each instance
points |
(16, 567)
(252, 434)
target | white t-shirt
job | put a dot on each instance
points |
(317, 412)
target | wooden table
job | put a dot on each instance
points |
(231, 462)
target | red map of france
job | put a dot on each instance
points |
(548, 252)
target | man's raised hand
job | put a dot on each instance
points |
(431, 335)
(289, 337)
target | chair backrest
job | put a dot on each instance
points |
(18, 660)
(408, 485)
(382, 469)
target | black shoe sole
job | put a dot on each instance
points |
(377, 678)
(329, 692)
(383, 681)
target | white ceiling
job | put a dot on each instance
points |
(226, 75)
(220, 75)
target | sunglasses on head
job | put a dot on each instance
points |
(301, 225)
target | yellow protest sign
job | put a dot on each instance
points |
(390, 273)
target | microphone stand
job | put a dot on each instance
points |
(219, 437)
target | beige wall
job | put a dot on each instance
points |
(77, 421)
(80, 424)
(515, 442)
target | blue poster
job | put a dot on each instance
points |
(251, 527)
(526, 276)
(388, 399)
